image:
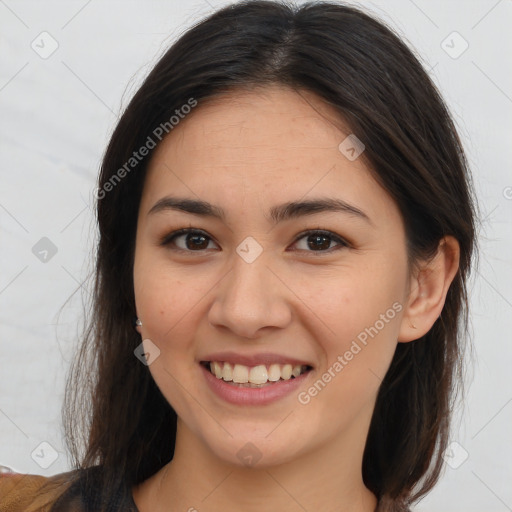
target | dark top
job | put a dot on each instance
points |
(81, 496)
(74, 491)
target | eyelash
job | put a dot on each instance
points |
(169, 238)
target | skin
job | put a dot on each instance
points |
(246, 152)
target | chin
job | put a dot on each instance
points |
(254, 451)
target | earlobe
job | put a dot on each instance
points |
(428, 290)
(138, 325)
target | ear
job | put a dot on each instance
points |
(427, 290)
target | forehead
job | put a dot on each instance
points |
(272, 142)
(274, 118)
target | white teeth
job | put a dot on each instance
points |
(216, 369)
(296, 370)
(227, 372)
(240, 374)
(286, 372)
(257, 375)
(274, 372)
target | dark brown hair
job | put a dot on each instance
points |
(366, 73)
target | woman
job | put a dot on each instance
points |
(286, 229)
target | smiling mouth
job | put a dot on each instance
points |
(254, 376)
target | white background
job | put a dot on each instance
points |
(56, 116)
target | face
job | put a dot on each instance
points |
(294, 255)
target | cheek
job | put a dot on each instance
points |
(167, 305)
(173, 306)
(160, 302)
(165, 294)
(360, 339)
(358, 313)
(348, 300)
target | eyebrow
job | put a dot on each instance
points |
(277, 213)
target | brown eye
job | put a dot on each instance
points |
(194, 240)
(320, 241)
(191, 240)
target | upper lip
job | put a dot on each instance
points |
(266, 358)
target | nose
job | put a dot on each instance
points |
(250, 299)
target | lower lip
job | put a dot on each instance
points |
(252, 396)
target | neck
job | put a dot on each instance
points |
(328, 479)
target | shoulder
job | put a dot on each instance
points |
(20, 492)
